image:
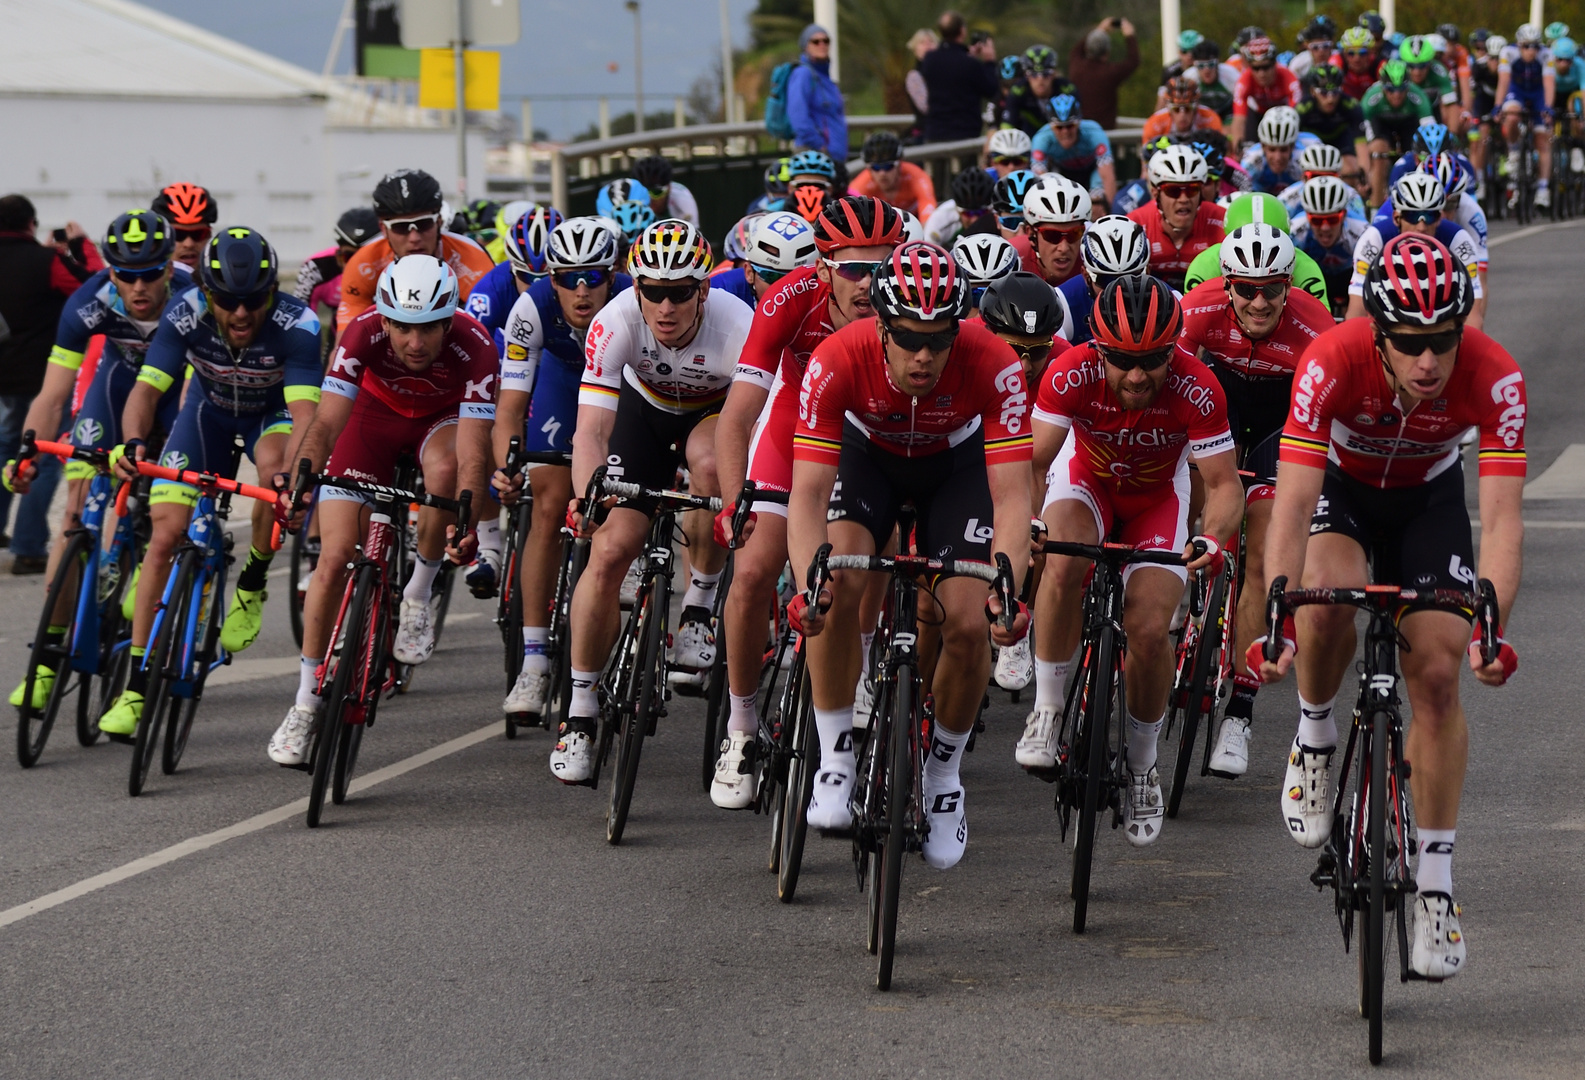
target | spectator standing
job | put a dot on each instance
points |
(922, 44)
(958, 78)
(35, 281)
(814, 104)
(1091, 70)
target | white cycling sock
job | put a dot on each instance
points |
(422, 582)
(743, 717)
(489, 531)
(1435, 872)
(946, 755)
(306, 698)
(1050, 675)
(865, 643)
(701, 589)
(1142, 743)
(534, 658)
(835, 727)
(585, 702)
(1317, 728)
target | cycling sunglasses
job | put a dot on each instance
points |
(1327, 220)
(1010, 221)
(1530, 45)
(1420, 217)
(914, 340)
(593, 277)
(1251, 289)
(1261, 67)
(528, 277)
(767, 275)
(147, 273)
(854, 270)
(1126, 361)
(1207, 65)
(882, 166)
(1033, 355)
(973, 213)
(1359, 52)
(201, 235)
(823, 185)
(1321, 46)
(1416, 344)
(227, 301)
(1071, 126)
(1054, 234)
(1326, 91)
(421, 224)
(1178, 191)
(1181, 108)
(677, 294)
(1016, 162)
(659, 194)
(819, 41)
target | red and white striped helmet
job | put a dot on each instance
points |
(1417, 282)
(920, 281)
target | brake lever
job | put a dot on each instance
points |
(1276, 611)
(1486, 611)
(1004, 590)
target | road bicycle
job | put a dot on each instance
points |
(86, 651)
(1203, 674)
(1365, 860)
(359, 668)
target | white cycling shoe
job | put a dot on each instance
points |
(863, 704)
(1307, 794)
(1037, 749)
(733, 785)
(1015, 667)
(949, 827)
(290, 741)
(627, 596)
(828, 805)
(1438, 951)
(415, 633)
(1230, 756)
(528, 693)
(572, 761)
(1144, 811)
(693, 647)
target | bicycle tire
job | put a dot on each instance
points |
(294, 598)
(510, 613)
(164, 648)
(33, 726)
(559, 642)
(717, 712)
(1372, 951)
(798, 789)
(352, 738)
(343, 683)
(1097, 719)
(899, 785)
(1206, 652)
(636, 715)
(179, 725)
(114, 662)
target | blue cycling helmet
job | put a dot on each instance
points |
(238, 262)
(528, 238)
(1065, 109)
(617, 192)
(1215, 163)
(633, 218)
(812, 163)
(1007, 199)
(1564, 49)
(1430, 140)
(1012, 67)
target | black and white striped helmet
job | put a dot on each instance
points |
(984, 258)
(1115, 246)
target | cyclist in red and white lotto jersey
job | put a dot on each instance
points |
(1250, 327)
(1116, 421)
(1178, 222)
(658, 362)
(411, 374)
(911, 406)
(754, 438)
(1371, 468)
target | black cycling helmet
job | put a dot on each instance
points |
(1325, 77)
(1449, 32)
(1040, 60)
(1477, 37)
(407, 192)
(882, 146)
(1372, 21)
(357, 226)
(972, 188)
(1246, 35)
(138, 238)
(653, 172)
(1206, 50)
(1007, 197)
(1021, 303)
(238, 262)
(1321, 28)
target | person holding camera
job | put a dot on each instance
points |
(959, 77)
(1092, 70)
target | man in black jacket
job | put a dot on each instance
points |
(35, 281)
(958, 79)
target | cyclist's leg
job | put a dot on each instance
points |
(1543, 150)
(1077, 510)
(694, 643)
(265, 437)
(1379, 163)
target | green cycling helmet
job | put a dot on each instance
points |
(1555, 30)
(1255, 207)
(1393, 73)
(1417, 50)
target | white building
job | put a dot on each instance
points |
(103, 102)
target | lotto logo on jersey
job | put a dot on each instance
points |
(1010, 382)
(1509, 390)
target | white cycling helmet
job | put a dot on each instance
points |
(1527, 34)
(1451, 174)
(514, 210)
(781, 241)
(1056, 200)
(1178, 165)
(1321, 158)
(1279, 126)
(913, 228)
(583, 241)
(670, 250)
(1009, 142)
(984, 258)
(1325, 195)
(1438, 43)
(1418, 191)
(417, 289)
(1257, 251)
(1115, 246)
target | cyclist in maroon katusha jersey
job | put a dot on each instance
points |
(1371, 466)
(1116, 421)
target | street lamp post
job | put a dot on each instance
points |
(638, 67)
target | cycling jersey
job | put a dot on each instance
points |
(621, 348)
(1392, 123)
(1080, 162)
(1340, 128)
(733, 280)
(913, 193)
(1023, 109)
(96, 308)
(1130, 197)
(1076, 299)
(1306, 275)
(1438, 87)
(981, 389)
(1375, 237)
(1159, 123)
(1563, 84)
(1344, 411)
(280, 366)
(680, 203)
(467, 259)
(1169, 261)
(1356, 84)
(1264, 178)
(1336, 262)
(1469, 216)
(319, 280)
(1483, 87)
(1252, 99)
(462, 376)
(491, 302)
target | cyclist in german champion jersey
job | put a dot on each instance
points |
(1371, 468)
(911, 406)
(659, 361)
(1250, 326)
(413, 375)
(540, 373)
(254, 354)
(754, 439)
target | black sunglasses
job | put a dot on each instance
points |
(1420, 217)
(192, 234)
(1033, 355)
(1150, 361)
(677, 294)
(571, 279)
(1416, 344)
(914, 340)
(148, 273)
(226, 301)
(1251, 289)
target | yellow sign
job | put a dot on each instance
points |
(437, 80)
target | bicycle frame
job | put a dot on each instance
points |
(378, 549)
(86, 647)
(204, 532)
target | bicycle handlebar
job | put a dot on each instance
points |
(1117, 554)
(676, 499)
(1282, 602)
(207, 481)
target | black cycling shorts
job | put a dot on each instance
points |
(949, 491)
(647, 444)
(1416, 537)
(1397, 132)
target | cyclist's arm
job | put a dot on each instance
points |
(1108, 173)
(1298, 489)
(1504, 77)
(137, 416)
(590, 440)
(744, 401)
(1502, 537)
(1011, 485)
(1548, 89)
(474, 455)
(44, 414)
(1049, 438)
(324, 428)
(806, 512)
(1224, 496)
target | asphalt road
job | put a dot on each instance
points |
(466, 918)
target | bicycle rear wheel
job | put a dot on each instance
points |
(115, 656)
(1093, 753)
(1372, 954)
(796, 792)
(33, 725)
(1207, 647)
(345, 685)
(509, 608)
(164, 655)
(183, 710)
(899, 790)
(648, 680)
(303, 557)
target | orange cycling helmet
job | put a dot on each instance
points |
(186, 206)
(1136, 315)
(857, 221)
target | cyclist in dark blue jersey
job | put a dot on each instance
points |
(1527, 87)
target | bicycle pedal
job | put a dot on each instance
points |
(1049, 775)
(125, 740)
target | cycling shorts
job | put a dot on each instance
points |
(553, 409)
(1397, 131)
(203, 438)
(1532, 101)
(1156, 519)
(949, 490)
(647, 444)
(1417, 537)
(375, 436)
(98, 421)
(770, 447)
(1260, 461)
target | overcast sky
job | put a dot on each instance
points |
(565, 49)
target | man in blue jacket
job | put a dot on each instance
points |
(814, 104)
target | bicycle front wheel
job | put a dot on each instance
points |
(635, 715)
(164, 667)
(800, 785)
(1093, 753)
(352, 738)
(345, 686)
(183, 710)
(115, 656)
(899, 790)
(1372, 954)
(1207, 647)
(51, 654)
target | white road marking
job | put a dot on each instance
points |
(1563, 479)
(1531, 230)
(242, 828)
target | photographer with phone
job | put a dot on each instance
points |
(959, 77)
(1092, 70)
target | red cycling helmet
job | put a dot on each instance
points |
(920, 281)
(856, 221)
(1259, 51)
(1136, 315)
(186, 206)
(1417, 282)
